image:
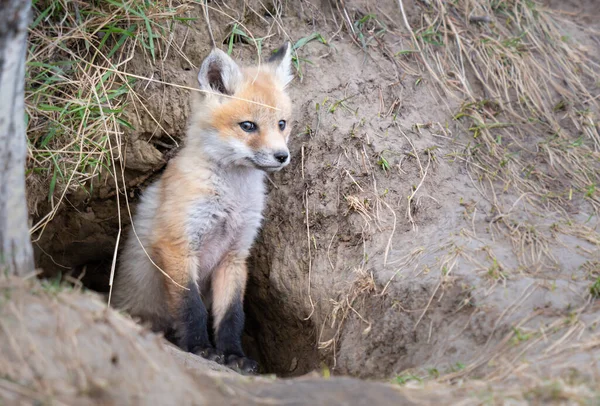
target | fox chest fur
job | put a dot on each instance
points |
(226, 220)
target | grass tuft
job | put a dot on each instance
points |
(595, 288)
(74, 104)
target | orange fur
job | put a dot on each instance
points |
(228, 281)
(170, 244)
(259, 87)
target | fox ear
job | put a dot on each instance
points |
(219, 73)
(282, 60)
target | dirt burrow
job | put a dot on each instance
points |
(344, 270)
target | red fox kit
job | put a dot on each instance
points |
(198, 222)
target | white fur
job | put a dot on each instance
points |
(229, 70)
(228, 221)
(138, 286)
(283, 71)
(226, 152)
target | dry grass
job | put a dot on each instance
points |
(521, 82)
(361, 287)
(76, 91)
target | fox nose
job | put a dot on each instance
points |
(281, 156)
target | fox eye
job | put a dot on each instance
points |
(282, 125)
(248, 126)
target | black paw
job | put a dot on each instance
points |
(242, 365)
(211, 354)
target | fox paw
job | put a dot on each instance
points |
(243, 365)
(211, 354)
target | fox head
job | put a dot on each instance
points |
(245, 112)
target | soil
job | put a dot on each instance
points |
(61, 347)
(347, 272)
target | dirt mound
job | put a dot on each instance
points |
(67, 348)
(439, 217)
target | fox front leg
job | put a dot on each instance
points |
(228, 287)
(184, 301)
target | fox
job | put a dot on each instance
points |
(183, 267)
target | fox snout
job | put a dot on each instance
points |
(272, 160)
